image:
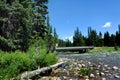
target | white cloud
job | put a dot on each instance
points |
(70, 38)
(107, 25)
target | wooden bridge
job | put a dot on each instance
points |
(80, 49)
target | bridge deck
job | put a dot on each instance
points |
(82, 48)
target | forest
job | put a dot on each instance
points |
(27, 40)
(21, 22)
(93, 39)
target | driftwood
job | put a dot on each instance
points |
(30, 74)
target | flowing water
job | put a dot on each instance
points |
(112, 59)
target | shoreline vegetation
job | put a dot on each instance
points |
(13, 64)
(96, 50)
(104, 50)
(28, 40)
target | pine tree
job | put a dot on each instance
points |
(40, 17)
(106, 39)
(49, 36)
(92, 37)
(100, 40)
(112, 40)
(16, 18)
(78, 38)
(117, 38)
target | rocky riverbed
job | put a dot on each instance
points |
(87, 69)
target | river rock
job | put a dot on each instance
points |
(79, 65)
(105, 65)
(115, 68)
(103, 78)
(106, 71)
(116, 76)
(102, 74)
(92, 75)
(64, 78)
(86, 77)
(83, 65)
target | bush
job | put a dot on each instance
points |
(50, 59)
(14, 63)
(85, 71)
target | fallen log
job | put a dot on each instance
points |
(30, 74)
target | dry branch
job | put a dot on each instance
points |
(30, 74)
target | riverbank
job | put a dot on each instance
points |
(104, 50)
(77, 69)
(103, 66)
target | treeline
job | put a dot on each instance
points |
(22, 22)
(93, 39)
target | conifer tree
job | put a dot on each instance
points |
(78, 38)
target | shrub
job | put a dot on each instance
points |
(85, 71)
(14, 63)
(50, 59)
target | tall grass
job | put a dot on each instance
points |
(14, 63)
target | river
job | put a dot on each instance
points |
(107, 58)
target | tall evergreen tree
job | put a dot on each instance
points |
(100, 40)
(78, 38)
(112, 40)
(61, 43)
(68, 43)
(106, 39)
(40, 17)
(16, 21)
(49, 37)
(92, 37)
(55, 37)
(117, 38)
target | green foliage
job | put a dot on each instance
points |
(6, 44)
(13, 64)
(116, 48)
(85, 71)
(51, 59)
(104, 49)
(17, 62)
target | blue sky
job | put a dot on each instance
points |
(101, 15)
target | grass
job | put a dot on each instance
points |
(14, 63)
(86, 71)
(104, 49)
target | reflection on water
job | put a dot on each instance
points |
(107, 58)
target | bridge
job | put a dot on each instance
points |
(80, 49)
